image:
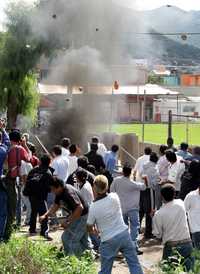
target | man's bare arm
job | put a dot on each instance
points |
(50, 212)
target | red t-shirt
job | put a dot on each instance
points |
(15, 156)
(35, 161)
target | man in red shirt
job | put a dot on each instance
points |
(19, 151)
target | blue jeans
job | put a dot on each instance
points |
(185, 250)
(109, 249)
(196, 239)
(75, 237)
(132, 217)
(95, 241)
(3, 213)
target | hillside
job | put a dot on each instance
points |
(173, 19)
(165, 49)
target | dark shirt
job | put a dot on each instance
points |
(193, 158)
(188, 184)
(96, 160)
(4, 147)
(72, 178)
(109, 176)
(70, 199)
(38, 183)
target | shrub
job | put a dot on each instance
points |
(21, 255)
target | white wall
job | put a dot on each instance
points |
(182, 108)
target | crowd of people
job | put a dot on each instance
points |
(99, 206)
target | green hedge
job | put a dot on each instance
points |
(21, 255)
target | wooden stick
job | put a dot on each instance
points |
(41, 144)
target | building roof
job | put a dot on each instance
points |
(149, 90)
(52, 89)
(108, 90)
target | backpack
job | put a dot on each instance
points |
(34, 185)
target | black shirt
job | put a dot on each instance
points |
(189, 183)
(70, 199)
(38, 183)
(96, 160)
(72, 180)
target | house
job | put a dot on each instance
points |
(188, 106)
(126, 104)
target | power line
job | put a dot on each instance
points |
(166, 33)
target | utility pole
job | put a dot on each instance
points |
(170, 124)
(143, 115)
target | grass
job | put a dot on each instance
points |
(157, 133)
(175, 264)
(21, 255)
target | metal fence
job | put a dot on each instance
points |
(184, 128)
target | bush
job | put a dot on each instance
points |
(21, 255)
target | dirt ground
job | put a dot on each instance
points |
(149, 260)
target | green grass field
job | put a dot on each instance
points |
(157, 133)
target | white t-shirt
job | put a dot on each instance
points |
(192, 206)
(61, 166)
(73, 165)
(107, 215)
(175, 172)
(141, 161)
(163, 166)
(65, 152)
(101, 149)
(170, 222)
(25, 168)
(87, 193)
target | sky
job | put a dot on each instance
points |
(139, 4)
(183, 4)
(152, 4)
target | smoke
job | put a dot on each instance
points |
(68, 123)
(92, 38)
(78, 67)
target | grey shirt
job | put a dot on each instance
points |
(128, 192)
(150, 170)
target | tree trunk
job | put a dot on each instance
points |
(12, 113)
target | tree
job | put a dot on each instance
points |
(20, 51)
(155, 79)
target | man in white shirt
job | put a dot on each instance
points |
(141, 161)
(129, 195)
(60, 164)
(163, 164)
(87, 195)
(73, 159)
(101, 147)
(24, 171)
(106, 214)
(149, 198)
(192, 206)
(170, 224)
(65, 146)
(84, 186)
(175, 171)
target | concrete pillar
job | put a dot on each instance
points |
(130, 143)
(110, 138)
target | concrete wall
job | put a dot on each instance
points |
(130, 143)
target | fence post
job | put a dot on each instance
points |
(187, 130)
(170, 124)
(143, 116)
